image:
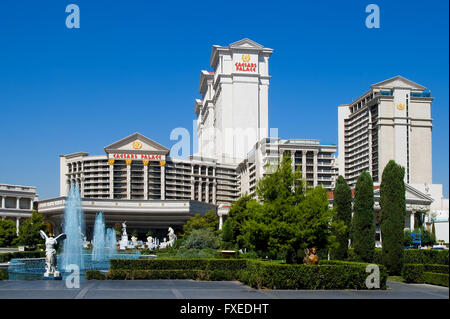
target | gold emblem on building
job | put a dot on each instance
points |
(245, 57)
(400, 106)
(111, 162)
(162, 163)
(128, 162)
(145, 162)
(137, 145)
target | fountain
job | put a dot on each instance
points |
(98, 242)
(111, 242)
(104, 246)
(72, 252)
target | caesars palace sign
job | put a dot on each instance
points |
(245, 66)
(137, 145)
(136, 156)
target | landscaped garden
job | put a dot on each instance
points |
(288, 238)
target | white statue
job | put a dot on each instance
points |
(172, 237)
(85, 242)
(124, 228)
(50, 254)
(150, 242)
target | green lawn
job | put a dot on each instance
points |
(396, 278)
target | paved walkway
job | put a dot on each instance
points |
(189, 289)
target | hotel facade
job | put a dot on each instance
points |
(392, 121)
(136, 180)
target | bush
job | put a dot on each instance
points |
(392, 216)
(95, 274)
(363, 227)
(21, 254)
(329, 275)
(440, 269)
(196, 269)
(413, 273)
(435, 279)
(202, 238)
(410, 256)
(430, 274)
(425, 256)
(407, 239)
(29, 230)
(3, 274)
(338, 275)
(7, 232)
(171, 264)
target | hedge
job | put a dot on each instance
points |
(435, 279)
(5, 257)
(255, 273)
(194, 274)
(425, 256)
(95, 274)
(410, 256)
(178, 264)
(3, 274)
(424, 273)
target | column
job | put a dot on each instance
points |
(411, 221)
(3, 202)
(163, 179)
(81, 185)
(192, 183)
(145, 163)
(304, 164)
(315, 167)
(214, 190)
(111, 178)
(17, 225)
(31, 204)
(207, 191)
(128, 162)
(18, 203)
(293, 159)
(220, 221)
(200, 190)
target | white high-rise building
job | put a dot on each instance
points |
(392, 121)
(232, 115)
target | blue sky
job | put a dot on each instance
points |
(134, 66)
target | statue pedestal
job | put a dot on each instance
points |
(123, 244)
(55, 276)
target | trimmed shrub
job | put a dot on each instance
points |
(4, 274)
(343, 203)
(95, 274)
(256, 273)
(178, 264)
(410, 256)
(331, 275)
(435, 279)
(430, 274)
(201, 238)
(392, 216)
(440, 269)
(413, 273)
(425, 256)
(363, 227)
(5, 257)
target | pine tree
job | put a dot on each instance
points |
(392, 216)
(363, 221)
(343, 203)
